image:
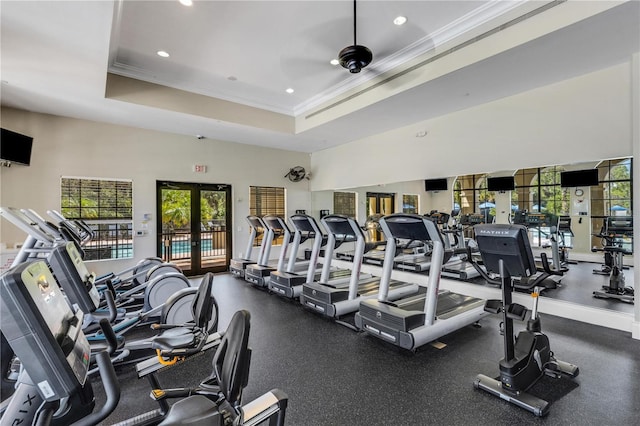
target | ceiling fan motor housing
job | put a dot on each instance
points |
(355, 57)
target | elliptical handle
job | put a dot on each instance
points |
(109, 336)
(109, 296)
(111, 387)
(46, 412)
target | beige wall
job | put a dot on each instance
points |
(582, 119)
(70, 147)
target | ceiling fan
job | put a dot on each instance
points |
(355, 57)
(296, 174)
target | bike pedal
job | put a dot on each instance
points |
(158, 394)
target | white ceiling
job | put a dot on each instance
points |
(55, 57)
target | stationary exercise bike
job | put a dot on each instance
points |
(505, 250)
(615, 230)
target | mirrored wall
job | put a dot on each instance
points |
(538, 198)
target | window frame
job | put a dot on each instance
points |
(416, 198)
(606, 201)
(112, 225)
(276, 206)
(343, 198)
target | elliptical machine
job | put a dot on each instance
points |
(44, 331)
(615, 230)
(505, 250)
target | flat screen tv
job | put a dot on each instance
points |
(435, 184)
(504, 183)
(15, 148)
(588, 177)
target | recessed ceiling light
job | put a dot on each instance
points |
(400, 20)
(289, 90)
(163, 53)
(186, 2)
(334, 62)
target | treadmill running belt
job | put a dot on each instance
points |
(450, 304)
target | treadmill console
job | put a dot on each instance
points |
(410, 227)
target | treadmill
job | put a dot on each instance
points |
(259, 274)
(334, 299)
(419, 319)
(459, 266)
(288, 283)
(455, 262)
(237, 266)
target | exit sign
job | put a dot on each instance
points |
(199, 168)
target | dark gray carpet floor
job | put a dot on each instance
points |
(334, 376)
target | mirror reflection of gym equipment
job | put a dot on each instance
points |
(563, 220)
(378, 204)
(617, 237)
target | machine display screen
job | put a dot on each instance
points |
(83, 272)
(48, 298)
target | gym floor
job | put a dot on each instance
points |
(335, 376)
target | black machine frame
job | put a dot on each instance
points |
(505, 250)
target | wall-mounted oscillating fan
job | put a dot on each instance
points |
(296, 174)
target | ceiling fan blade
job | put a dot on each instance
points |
(298, 68)
(311, 49)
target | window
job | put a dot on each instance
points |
(525, 196)
(549, 197)
(463, 194)
(344, 203)
(410, 203)
(470, 195)
(106, 206)
(267, 200)
(612, 197)
(538, 191)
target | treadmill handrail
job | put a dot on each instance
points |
(437, 257)
(298, 219)
(253, 234)
(358, 253)
(293, 256)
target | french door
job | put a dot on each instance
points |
(194, 226)
(379, 204)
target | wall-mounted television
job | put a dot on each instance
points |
(503, 183)
(587, 177)
(435, 184)
(15, 147)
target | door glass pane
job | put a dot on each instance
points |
(213, 228)
(386, 204)
(176, 227)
